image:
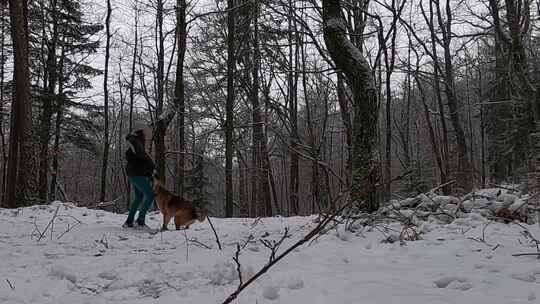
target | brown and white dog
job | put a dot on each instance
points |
(185, 212)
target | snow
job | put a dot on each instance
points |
(97, 261)
(271, 292)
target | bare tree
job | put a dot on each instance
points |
(229, 111)
(162, 119)
(105, 157)
(360, 80)
(20, 148)
(292, 96)
(181, 32)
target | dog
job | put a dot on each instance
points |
(185, 212)
(508, 215)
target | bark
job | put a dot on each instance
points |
(20, 149)
(360, 80)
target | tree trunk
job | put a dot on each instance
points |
(359, 77)
(229, 112)
(464, 170)
(20, 148)
(132, 79)
(259, 140)
(57, 128)
(48, 104)
(242, 189)
(293, 112)
(347, 123)
(105, 159)
(3, 27)
(179, 89)
(432, 136)
(160, 128)
(437, 86)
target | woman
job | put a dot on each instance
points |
(139, 170)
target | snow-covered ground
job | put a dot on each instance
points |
(99, 262)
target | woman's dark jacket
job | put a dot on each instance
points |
(138, 161)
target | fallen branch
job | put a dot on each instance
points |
(504, 187)
(525, 254)
(441, 186)
(314, 232)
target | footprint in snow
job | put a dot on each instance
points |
(451, 282)
(295, 283)
(271, 292)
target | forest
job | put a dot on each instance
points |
(269, 107)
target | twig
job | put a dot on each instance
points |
(215, 233)
(483, 239)
(274, 246)
(256, 222)
(525, 254)
(10, 285)
(438, 206)
(36, 230)
(200, 244)
(441, 186)
(504, 187)
(250, 237)
(187, 245)
(69, 228)
(104, 241)
(484, 231)
(70, 216)
(48, 225)
(236, 259)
